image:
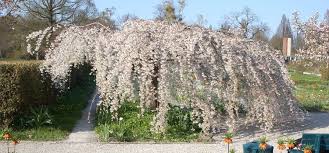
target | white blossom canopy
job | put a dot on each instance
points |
(315, 36)
(162, 63)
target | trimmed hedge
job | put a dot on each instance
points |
(22, 86)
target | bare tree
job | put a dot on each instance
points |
(126, 18)
(105, 17)
(247, 21)
(5, 37)
(225, 26)
(182, 5)
(86, 14)
(9, 7)
(326, 17)
(54, 11)
(168, 11)
(260, 32)
(201, 21)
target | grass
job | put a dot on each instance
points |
(66, 111)
(311, 91)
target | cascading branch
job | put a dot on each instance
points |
(161, 63)
(39, 37)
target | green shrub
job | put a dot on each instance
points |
(39, 117)
(179, 122)
(22, 86)
(128, 129)
(130, 126)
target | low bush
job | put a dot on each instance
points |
(179, 122)
(130, 126)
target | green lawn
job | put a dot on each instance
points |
(311, 91)
(65, 114)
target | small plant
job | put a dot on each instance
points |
(307, 148)
(291, 143)
(281, 144)
(179, 121)
(132, 126)
(15, 142)
(39, 117)
(263, 142)
(232, 151)
(8, 137)
(228, 140)
(104, 131)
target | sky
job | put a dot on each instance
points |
(268, 11)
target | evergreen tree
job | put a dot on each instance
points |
(284, 30)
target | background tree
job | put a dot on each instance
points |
(182, 4)
(13, 31)
(86, 14)
(105, 17)
(284, 30)
(5, 36)
(225, 26)
(248, 23)
(261, 32)
(9, 7)
(168, 11)
(298, 41)
(22, 21)
(326, 17)
(126, 18)
(53, 11)
(201, 21)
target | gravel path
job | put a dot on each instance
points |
(64, 147)
(83, 138)
(84, 129)
(315, 123)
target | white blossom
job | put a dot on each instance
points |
(315, 36)
(162, 63)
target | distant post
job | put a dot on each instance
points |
(286, 48)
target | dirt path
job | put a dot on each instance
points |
(84, 129)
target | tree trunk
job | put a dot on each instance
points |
(155, 83)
